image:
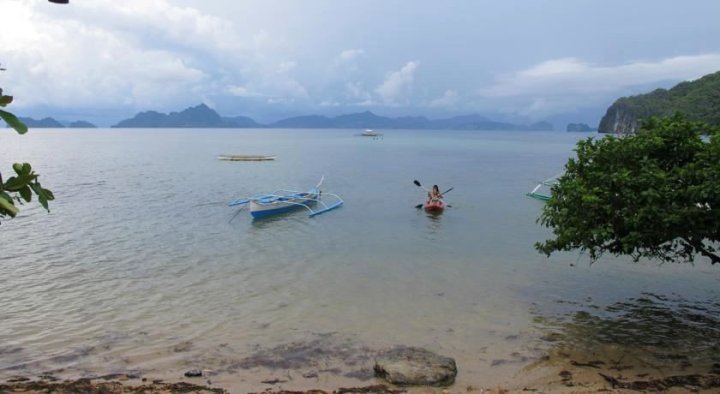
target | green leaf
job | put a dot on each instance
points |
(13, 122)
(42, 196)
(23, 169)
(48, 194)
(16, 183)
(5, 100)
(7, 207)
(44, 202)
(26, 193)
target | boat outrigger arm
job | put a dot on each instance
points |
(283, 200)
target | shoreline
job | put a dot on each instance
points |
(646, 344)
(608, 368)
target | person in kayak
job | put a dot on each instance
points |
(434, 194)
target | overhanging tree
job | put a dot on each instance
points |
(24, 184)
(653, 194)
(20, 187)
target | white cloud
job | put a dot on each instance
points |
(241, 91)
(349, 55)
(136, 53)
(346, 63)
(355, 91)
(449, 99)
(286, 67)
(572, 76)
(397, 85)
(128, 55)
(58, 62)
(560, 85)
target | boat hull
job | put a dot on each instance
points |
(434, 206)
(262, 209)
(282, 200)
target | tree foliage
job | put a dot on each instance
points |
(19, 188)
(654, 194)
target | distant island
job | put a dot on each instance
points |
(579, 127)
(699, 100)
(81, 124)
(204, 116)
(50, 123)
(198, 116)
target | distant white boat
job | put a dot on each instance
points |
(370, 133)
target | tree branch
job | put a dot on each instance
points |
(699, 247)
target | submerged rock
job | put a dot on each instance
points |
(412, 366)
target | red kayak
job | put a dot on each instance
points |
(434, 205)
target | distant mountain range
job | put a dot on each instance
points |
(203, 116)
(699, 100)
(368, 119)
(48, 122)
(198, 116)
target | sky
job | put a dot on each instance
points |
(512, 60)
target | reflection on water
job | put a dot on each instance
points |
(434, 223)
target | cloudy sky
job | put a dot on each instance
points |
(105, 60)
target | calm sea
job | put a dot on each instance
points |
(142, 266)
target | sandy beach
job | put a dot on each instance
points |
(562, 369)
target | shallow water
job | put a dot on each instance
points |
(142, 266)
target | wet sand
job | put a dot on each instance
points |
(312, 369)
(644, 344)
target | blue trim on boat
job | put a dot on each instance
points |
(289, 200)
(262, 214)
(268, 212)
(329, 208)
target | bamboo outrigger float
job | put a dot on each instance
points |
(281, 201)
(245, 157)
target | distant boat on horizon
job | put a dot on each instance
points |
(370, 133)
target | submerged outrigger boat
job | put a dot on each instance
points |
(282, 200)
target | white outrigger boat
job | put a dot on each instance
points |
(370, 133)
(543, 189)
(282, 200)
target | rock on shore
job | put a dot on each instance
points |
(411, 366)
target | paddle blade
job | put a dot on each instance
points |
(417, 183)
(418, 206)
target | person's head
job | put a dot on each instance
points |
(436, 189)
